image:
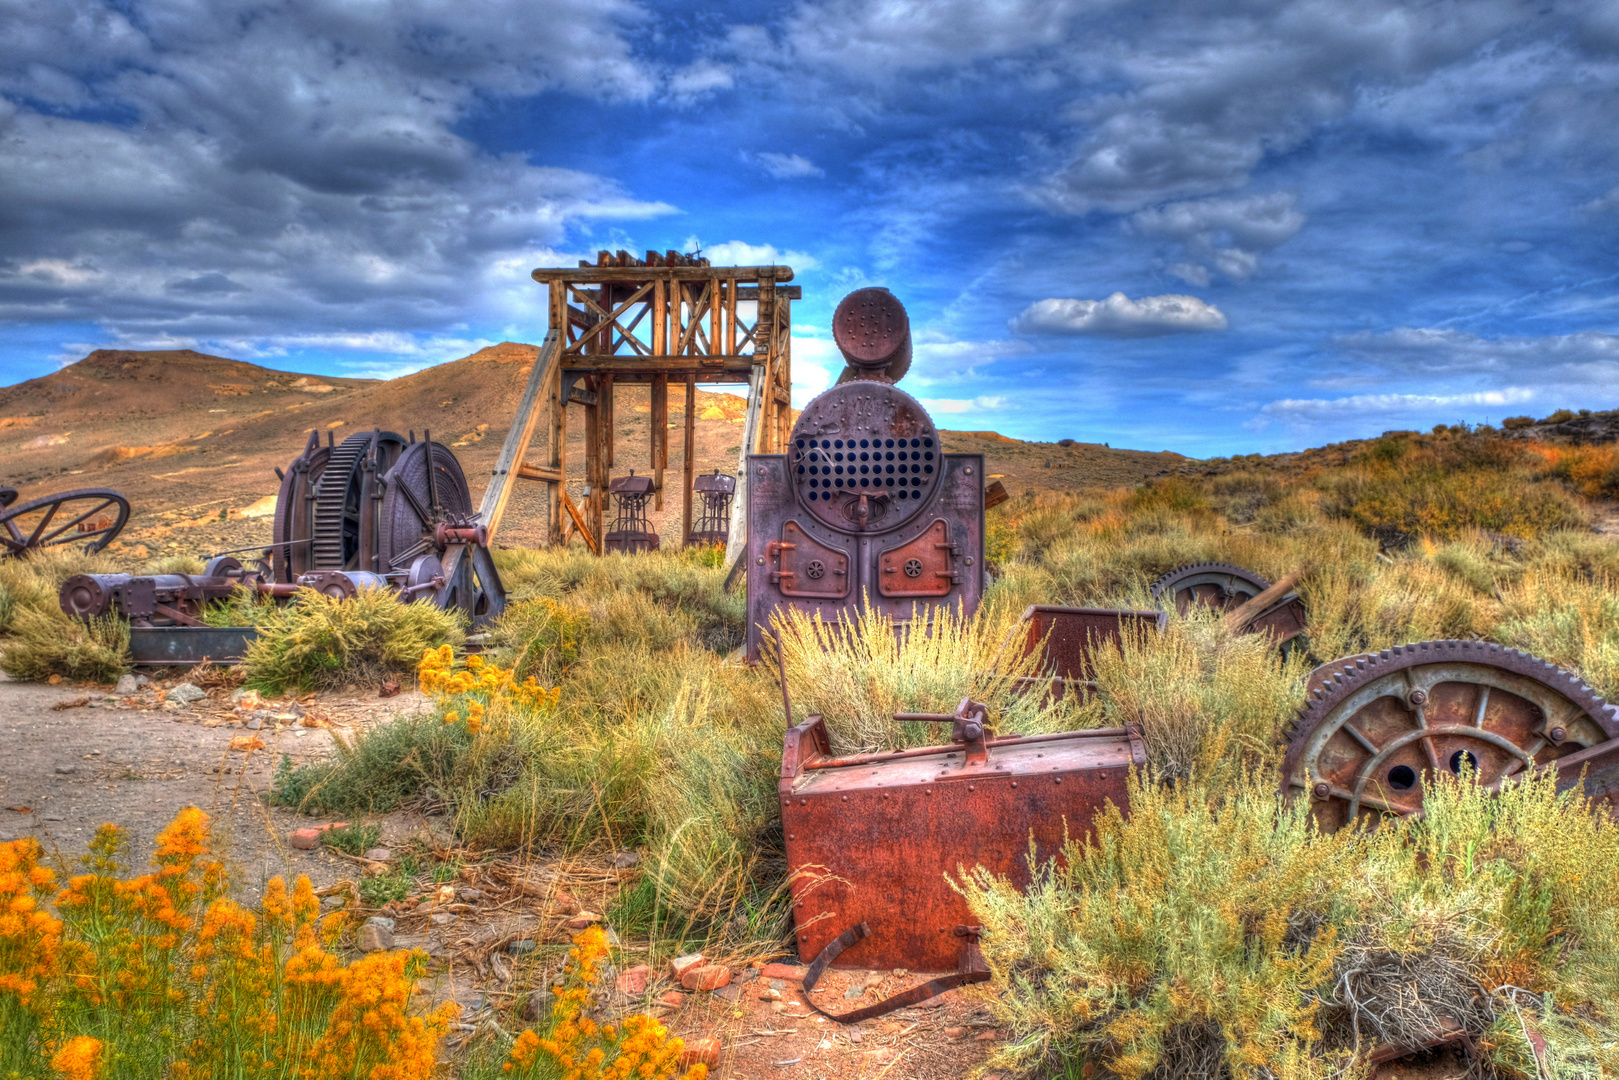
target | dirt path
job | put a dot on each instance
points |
(73, 757)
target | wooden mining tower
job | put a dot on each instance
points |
(667, 318)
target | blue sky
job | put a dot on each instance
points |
(1210, 228)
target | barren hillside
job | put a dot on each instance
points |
(193, 440)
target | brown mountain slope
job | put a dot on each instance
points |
(193, 440)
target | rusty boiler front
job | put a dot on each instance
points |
(874, 840)
(865, 507)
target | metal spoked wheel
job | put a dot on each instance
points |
(90, 517)
(1379, 728)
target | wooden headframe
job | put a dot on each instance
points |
(628, 321)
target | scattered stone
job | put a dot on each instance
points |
(625, 860)
(126, 685)
(783, 971)
(680, 964)
(389, 688)
(874, 979)
(309, 839)
(987, 1036)
(331, 903)
(746, 975)
(855, 1036)
(564, 901)
(701, 1052)
(247, 743)
(67, 770)
(673, 998)
(954, 1032)
(379, 854)
(733, 992)
(777, 984)
(584, 919)
(706, 977)
(186, 693)
(769, 994)
(469, 895)
(374, 938)
(854, 992)
(778, 1006)
(257, 721)
(612, 938)
(441, 918)
(55, 680)
(522, 948)
(900, 973)
(537, 1005)
(382, 921)
(633, 981)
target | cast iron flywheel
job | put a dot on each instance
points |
(1378, 728)
(1214, 584)
(90, 517)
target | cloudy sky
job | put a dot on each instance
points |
(1212, 228)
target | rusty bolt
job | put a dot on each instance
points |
(1558, 734)
(1417, 697)
(1322, 789)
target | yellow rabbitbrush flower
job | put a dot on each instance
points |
(162, 974)
(582, 1050)
(478, 687)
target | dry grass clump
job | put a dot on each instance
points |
(858, 674)
(1210, 703)
(317, 642)
(1222, 910)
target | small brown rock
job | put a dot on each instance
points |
(767, 994)
(672, 998)
(374, 938)
(305, 839)
(633, 981)
(987, 1036)
(681, 964)
(954, 1032)
(389, 688)
(584, 919)
(706, 977)
(704, 1051)
(782, 971)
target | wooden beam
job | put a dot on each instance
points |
(557, 459)
(736, 545)
(691, 463)
(635, 275)
(660, 436)
(526, 471)
(579, 523)
(518, 437)
(676, 365)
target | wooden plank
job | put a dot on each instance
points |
(636, 275)
(736, 545)
(557, 458)
(579, 523)
(609, 423)
(518, 437)
(660, 317)
(691, 463)
(677, 365)
(593, 467)
(659, 447)
(526, 471)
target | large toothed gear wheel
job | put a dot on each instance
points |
(1214, 584)
(1378, 728)
(88, 518)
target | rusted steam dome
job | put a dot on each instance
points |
(873, 332)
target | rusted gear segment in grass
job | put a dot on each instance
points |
(1213, 584)
(1377, 729)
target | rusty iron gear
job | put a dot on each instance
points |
(1215, 584)
(418, 498)
(292, 555)
(347, 497)
(1378, 727)
(91, 517)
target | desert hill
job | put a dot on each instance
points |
(193, 440)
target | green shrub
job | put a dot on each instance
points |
(317, 641)
(45, 644)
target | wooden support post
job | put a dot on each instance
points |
(558, 457)
(518, 437)
(660, 436)
(691, 462)
(736, 545)
(593, 466)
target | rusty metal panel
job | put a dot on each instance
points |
(1066, 636)
(872, 839)
(805, 568)
(924, 567)
(1284, 622)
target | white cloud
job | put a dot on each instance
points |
(700, 78)
(1226, 234)
(742, 253)
(1119, 316)
(1447, 351)
(784, 166)
(1610, 201)
(957, 406)
(1363, 404)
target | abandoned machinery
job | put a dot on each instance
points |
(377, 510)
(865, 504)
(89, 517)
